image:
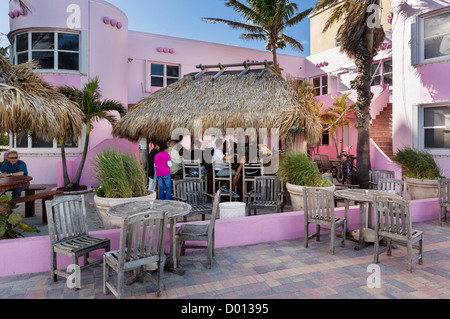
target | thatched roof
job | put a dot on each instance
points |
(28, 103)
(254, 100)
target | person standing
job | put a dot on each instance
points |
(13, 166)
(162, 172)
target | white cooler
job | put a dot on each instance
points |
(231, 209)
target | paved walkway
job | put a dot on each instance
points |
(274, 270)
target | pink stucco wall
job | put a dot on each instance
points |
(32, 254)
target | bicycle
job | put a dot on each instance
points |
(346, 170)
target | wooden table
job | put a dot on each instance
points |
(363, 197)
(10, 182)
(174, 208)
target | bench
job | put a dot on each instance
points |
(29, 206)
(31, 198)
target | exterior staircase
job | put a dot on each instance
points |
(381, 130)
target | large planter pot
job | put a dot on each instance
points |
(296, 194)
(420, 189)
(104, 203)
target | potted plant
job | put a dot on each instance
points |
(421, 172)
(297, 171)
(121, 180)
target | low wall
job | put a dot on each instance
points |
(32, 254)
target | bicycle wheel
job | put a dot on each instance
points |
(340, 174)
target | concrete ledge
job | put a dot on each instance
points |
(32, 254)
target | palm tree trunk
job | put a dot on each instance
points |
(273, 50)
(64, 164)
(76, 179)
(362, 108)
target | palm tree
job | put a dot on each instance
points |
(89, 101)
(359, 39)
(266, 20)
(336, 117)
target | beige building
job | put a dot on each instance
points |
(324, 41)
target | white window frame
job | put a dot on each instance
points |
(421, 128)
(382, 73)
(321, 86)
(55, 50)
(148, 75)
(421, 35)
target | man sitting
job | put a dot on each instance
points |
(14, 167)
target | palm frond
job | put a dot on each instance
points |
(253, 36)
(235, 25)
(292, 42)
(259, 12)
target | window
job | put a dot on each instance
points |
(24, 140)
(436, 127)
(382, 73)
(162, 75)
(436, 36)
(320, 84)
(325, 137)
(52, 50)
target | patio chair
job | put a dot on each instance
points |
(198, 232)
(319, 210)
(325, 164)
(267, 192)
(375, 175)
(392, 186)
(142, 240)
(193, 169)
(218, 180)
(190, 191)
(444, 199)
(67, 227)
(249, 172)
(393, 222)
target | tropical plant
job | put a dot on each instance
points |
(417, 164)
(10, 222)
(359, 39)
(94, 109)
(298, 169)
(266, 20)
(119, 175)
(336, 117)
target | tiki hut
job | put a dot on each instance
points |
(249, 98)
(29, 104)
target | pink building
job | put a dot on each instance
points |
(76, 40)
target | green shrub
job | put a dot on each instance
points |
(119, 175)
(11, 225)
(417, 164)
(298, 169)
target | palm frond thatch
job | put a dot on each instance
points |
(229, 101)
(28, 103)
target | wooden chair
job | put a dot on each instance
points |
(217, 180)
(196, 165)
(319, 210)
(392, 186)
(444, 199)
(249, 172)
(267, 192)
(198, 232)
(67, 226)
(393, 222)
(142, 240)
(190, 190)
(325, 164)
(375, 175)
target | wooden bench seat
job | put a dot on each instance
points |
(32, 198)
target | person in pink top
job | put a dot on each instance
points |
(162, 171)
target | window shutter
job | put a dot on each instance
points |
(83, 52)
(415, 47)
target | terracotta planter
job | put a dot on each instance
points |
(296, 193)
(420, 189)
(104, 203)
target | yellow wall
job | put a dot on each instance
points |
(324, 41)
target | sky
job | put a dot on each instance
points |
(182, 18)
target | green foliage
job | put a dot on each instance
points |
(297, 169)
(119, 175)
(417, 164)
(10, 222)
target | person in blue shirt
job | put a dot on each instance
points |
(14, 166)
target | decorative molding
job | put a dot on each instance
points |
(17, 13)
(113, 22)
(165, 50)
